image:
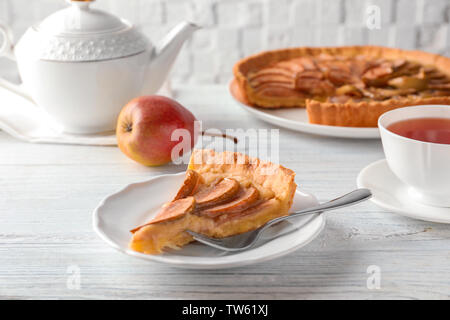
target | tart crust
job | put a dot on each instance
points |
(351, 113)
(265, 191)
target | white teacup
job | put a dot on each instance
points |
(423, 166)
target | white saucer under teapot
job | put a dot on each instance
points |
(83, 65)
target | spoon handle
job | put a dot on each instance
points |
(346, 200)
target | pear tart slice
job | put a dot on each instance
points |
(343, 86)
(223, 194)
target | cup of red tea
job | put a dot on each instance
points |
(416, 142)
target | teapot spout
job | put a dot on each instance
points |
(164, 55)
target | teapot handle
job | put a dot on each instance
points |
(7, 51)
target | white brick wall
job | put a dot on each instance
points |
(235, 28)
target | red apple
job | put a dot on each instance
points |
(145, 126)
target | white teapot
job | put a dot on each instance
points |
(83, 65)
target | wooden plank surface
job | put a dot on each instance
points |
(48, 193)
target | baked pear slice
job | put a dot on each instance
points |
(243, 201)
(223, 194)
(190, 184)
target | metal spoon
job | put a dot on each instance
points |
(248, 239)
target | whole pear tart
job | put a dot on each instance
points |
(223, 194)
(344, 86)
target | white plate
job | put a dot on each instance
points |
(297, 119)
(392, 194)
(138, 202)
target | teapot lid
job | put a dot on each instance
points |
(79, 33)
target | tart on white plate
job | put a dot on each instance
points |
(223, 194)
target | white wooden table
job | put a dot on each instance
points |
(48, 193)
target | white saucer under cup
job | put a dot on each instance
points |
(391, 194)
